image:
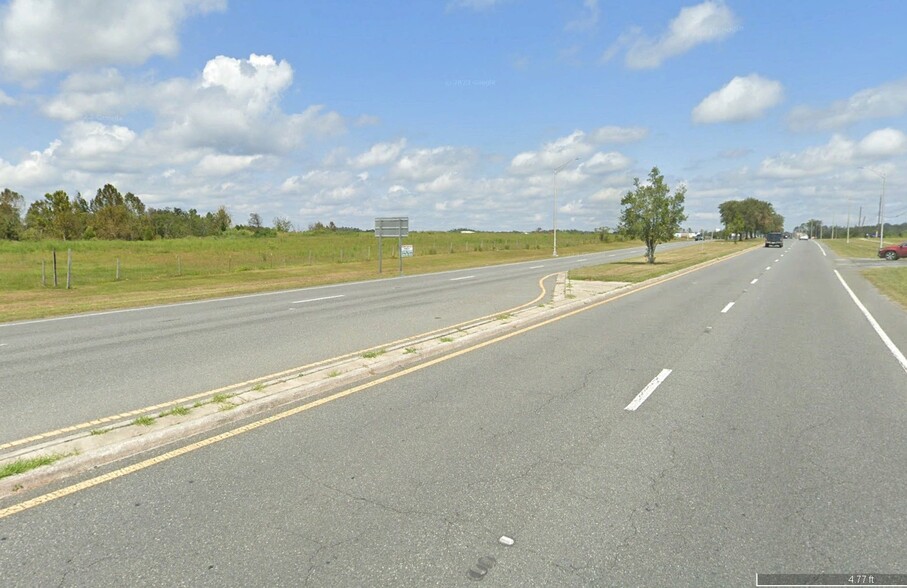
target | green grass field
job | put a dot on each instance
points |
(891, 280)
(163, 271)
(638, 270)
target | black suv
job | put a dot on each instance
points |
(774, 240)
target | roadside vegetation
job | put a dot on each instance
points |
(890, 279)
(121, 274)
(20, 466)
(639, 270)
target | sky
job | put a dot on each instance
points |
(456, 113)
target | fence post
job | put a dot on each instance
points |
(118, 269)
(55, 268)
(68, 269)
(43, 274)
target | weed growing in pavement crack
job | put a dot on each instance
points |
(221, 397)
(176, 411)
(409, 350)
(100, 431)
(445, 339)
(258, 387)
(144, 421)
(333, 373)
(504, 316)
(374, 353)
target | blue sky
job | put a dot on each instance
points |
(456, 113)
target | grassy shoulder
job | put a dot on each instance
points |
(638, 270)
(180, 270)
(858, 248)
(891, 280)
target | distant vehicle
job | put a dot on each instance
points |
(804, 237)
(893, 252)
(774, 240)
(698, 237)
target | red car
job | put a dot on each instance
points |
(893, 252)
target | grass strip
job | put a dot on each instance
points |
(20, 466)
(639, 270)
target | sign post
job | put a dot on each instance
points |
(397, 226)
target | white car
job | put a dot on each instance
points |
(804, 237)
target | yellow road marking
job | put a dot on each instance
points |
(84, 485)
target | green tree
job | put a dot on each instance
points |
(12, 204)
(282, 224)
(221, 221)
(56, 216)
(651, 213)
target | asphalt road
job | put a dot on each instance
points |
(65, 371)
(774, 445)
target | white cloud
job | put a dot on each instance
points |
(588, 19)
(254, 83)
(604, 163)
(743, 98)
(215, 164)
(882, 143)
(40, 36)
(380, 154)
(367, 120)
(425, 165)
(103, 92)
(839, 152)
(883, 101)
(552, 155)
(6, 100)
(234, 107)
(707, 22)
(37, 169)
(93, 140)
(615, 135)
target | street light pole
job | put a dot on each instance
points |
(881, 207)
(557, 171)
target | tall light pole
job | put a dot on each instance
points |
(848, 218)
(881, 206)
(557, 171)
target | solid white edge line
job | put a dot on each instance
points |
(727, 308)
(822, 249)
(536, 267)
(647, 391)
(317, 299)
(464, 278)
(875, 325)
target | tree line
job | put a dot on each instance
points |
(750, 217)
(109, 215)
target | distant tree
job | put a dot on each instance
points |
(282, 224)
(12, 205)
(254, 221)
(651, 213)
(221, 221)
(111, 218)
(56, 216)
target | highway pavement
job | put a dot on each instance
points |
(64, 371)
(745, 418)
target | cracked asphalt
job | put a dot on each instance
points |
(776, 445)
